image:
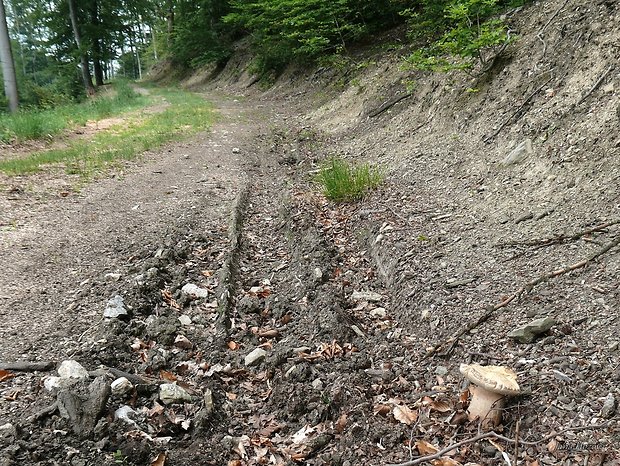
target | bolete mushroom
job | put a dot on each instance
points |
(492, 384)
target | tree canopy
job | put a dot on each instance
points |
(64, 49)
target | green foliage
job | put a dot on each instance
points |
(456, 34)
(44, 123)
(185, 115)
(285, 31)
(343, 182)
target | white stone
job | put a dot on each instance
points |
(185, 319)
(70, 369)
(115, 308)
(317, 384)
(519, 153)
(379, 313)
(255, 357)
(171, 393)
(53, 383)
(370, 296)
(121, 386)
(125, 413)
(194, 290)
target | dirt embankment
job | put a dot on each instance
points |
(332, 335)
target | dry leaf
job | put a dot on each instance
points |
(5, 375)
(440, 406)
(233, 346)
(268, 333)
(341, 423)
(425, 448)
(231, 396)
(235, 463)
(168, 376)
(382, 409)
(207, 273)
(405, 415)
(160, 460)
(533, 463)
(552, 446)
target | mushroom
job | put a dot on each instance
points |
(492, 384)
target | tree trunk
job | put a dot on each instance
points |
(170, 21)
(8, 66)
(88, 82)
(94, 21)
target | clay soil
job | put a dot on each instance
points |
(363, 311)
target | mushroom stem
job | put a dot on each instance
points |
(486, 406)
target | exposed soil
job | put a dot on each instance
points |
(364, 311)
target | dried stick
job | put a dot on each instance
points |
(553, 16)
(492, 434)
(517, 294)
(561, 238)
(596, 85)
(26, 366)
(389, 104)
(516, 112)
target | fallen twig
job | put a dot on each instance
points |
(516, 112)
(596, 84)
(26, 366)
(524, 289)
(389, 104)
(557, 239)
(553, 16)
(495, 435)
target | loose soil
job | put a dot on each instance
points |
(355, 306)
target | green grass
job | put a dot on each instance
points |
(343, 182)
(29, 125)
(185, 114)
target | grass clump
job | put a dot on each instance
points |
(184, 114)
(34, 124)
(343, 182)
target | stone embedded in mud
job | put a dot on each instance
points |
(121, 386)
(195, 291)
(369, 296)
(83, 404)
(255, 357)
(170, 393)
(529, 332)
(115, 308)
(518, 154)
(70, 369)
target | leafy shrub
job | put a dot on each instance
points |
(342, 182)
(456, 34)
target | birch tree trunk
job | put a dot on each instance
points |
(88, 81)
(8, 65)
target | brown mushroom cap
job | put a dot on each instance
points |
(496, 379)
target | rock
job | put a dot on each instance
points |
(53, 384)
(255, 357)
(518, 154)
(379, 313)
(609, 406)
(115, 308)
(83, 404)
(121, 386)
(125, 413)
(170, 393)
(70, 369)
(528, 333)
(182, 342)
(369, 296)
(8, 431)
(441, 370)
(208, 399)
(185, 319)
(317, 384)
(113, 277)
(236, 150)
(195, 291)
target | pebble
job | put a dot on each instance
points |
(370, 296)
(53, 384)
(70, 369)
(441, 370)
(236, 150)
(518, 153)
(317, 384)
(609, 406)
(123, 413)
(208, 399)
(121, 386)
(255, 357)
(379, 313)
(194, 290)
(170, 393)
(529, 332)
(182, 342)
(115, 308)
(113, 276)
(185, 319)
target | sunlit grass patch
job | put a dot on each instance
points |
(343, 182)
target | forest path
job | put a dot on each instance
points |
(58, 247)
